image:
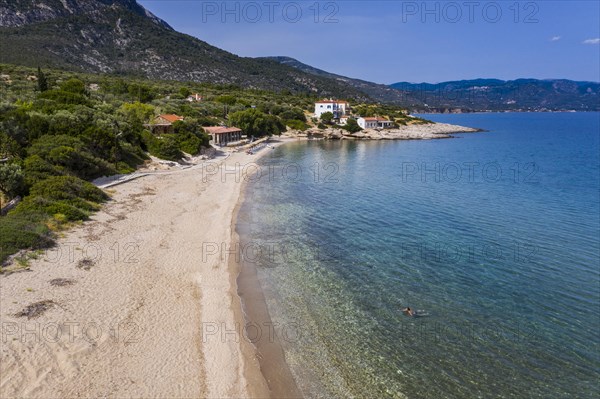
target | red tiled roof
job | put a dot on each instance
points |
(332, 102)
(171, 117)
(221, 129)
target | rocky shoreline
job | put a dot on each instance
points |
(429, 131)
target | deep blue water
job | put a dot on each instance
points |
(495, 236)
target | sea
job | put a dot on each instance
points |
(492, 238)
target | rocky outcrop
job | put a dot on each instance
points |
(14, 13)
(427, 131)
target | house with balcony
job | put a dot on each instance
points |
(337, 107)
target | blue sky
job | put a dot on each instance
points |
(415, 41)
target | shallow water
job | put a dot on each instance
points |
(494, 235)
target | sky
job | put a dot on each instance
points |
(414, 41)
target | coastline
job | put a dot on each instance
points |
(120, 309)
(254, 313)
(116, 312)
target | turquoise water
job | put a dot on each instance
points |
(495, 236)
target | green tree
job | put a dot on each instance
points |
(327, 117)
(352, 126)
(42, 81)
(256, 123)
(141, 92)
(185, 92)
(75, 86)
(226, 99)
(137, 113)
(9, 148)
(11, 180)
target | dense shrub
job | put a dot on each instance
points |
(67, 188)
(64, 97)
(37, 169)
(50, 208)
(69, 154)
(293, 113)
(164, 147)
(256, 123)
(18, 231)
(352, 126)
(296, 125)
(167, 147)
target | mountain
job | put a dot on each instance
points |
(122, 37)
(379, 92)
(512, 95)
(474, 95)
(24, 12)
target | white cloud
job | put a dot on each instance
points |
(592, 41)
(555, 38)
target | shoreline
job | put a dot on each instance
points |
(255, 314)
(116, 309)
(425, 131)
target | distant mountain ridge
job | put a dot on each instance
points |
(500, 95)
(122, 37)
(476, 94)
(379, 92)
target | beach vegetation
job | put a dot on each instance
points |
(64, 129)
(352, 126)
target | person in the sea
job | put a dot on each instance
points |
(408, 311)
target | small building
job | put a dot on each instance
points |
(163, 124)
(337, 107)
(374, 123)
(344, 119)
(194, 98)
(223, 135)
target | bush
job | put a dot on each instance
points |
(168, 148)
(36, 169)
(327, 117)
(68, 154)
(293, 113)
(190, 144)
(256, 123)
(64, 97)
(165, 147)
(67, 188)
(11, 180)
(352, 126)
(296, 125)
(22, 231)
(74, 85)
(50, 208)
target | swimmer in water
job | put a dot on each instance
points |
(408, 311)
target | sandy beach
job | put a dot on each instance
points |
(143, 299)
(140, 301)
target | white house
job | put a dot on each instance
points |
(336, 107)
(194, 98)
(374, 123)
